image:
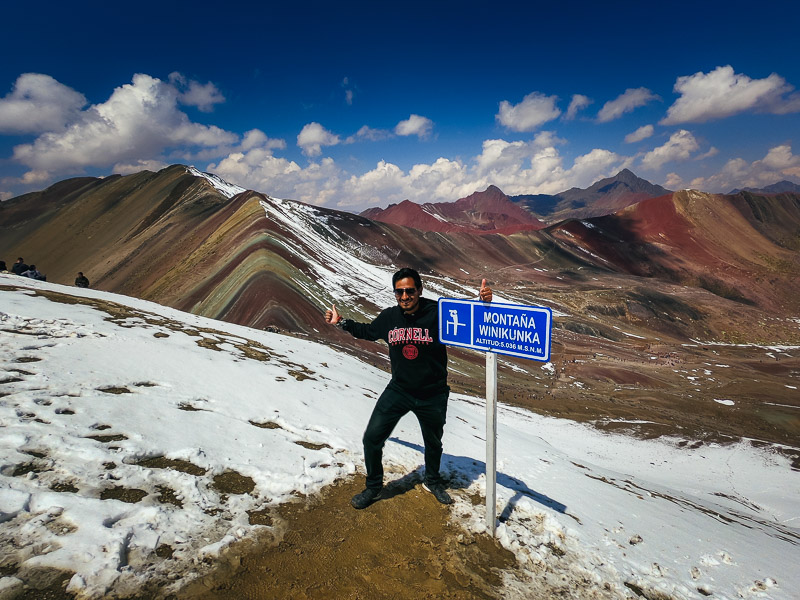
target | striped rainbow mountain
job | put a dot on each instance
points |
(650, 276)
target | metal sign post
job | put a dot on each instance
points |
(491, 441)
(495, 328)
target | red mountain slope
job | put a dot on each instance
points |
(490, 211)
(734, 246)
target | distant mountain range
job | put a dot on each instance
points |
(602, 198)
(776, 188)
(491, 211)
(189, 240)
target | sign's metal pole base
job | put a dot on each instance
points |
(491, 441)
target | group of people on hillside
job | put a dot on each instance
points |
(25, 270)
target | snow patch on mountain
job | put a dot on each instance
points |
(229, 190)
(330, 252)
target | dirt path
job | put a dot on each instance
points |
(400, 547)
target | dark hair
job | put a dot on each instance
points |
(407, 272)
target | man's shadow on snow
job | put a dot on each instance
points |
(467, 470)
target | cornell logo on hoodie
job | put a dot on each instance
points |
(409, 336)
(404, 335)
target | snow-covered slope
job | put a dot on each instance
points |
(222, 186)
(138, 441)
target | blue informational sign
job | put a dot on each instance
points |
(513, 329)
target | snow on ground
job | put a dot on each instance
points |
(139, 442)
(229, 190)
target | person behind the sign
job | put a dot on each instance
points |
(419, 380)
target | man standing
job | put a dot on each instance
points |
(419, 380)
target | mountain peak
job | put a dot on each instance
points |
(601, 198)
(489, 211)
(630, 180)
(627, 175)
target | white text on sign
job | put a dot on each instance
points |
(517, 330)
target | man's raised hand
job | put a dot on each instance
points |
(332, 315)
(485, 293)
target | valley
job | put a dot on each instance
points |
(675, 314)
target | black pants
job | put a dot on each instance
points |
(390, 408)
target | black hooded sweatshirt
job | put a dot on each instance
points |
(418, 358)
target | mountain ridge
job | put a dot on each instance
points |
(776, 188)
(489, 211)
(603, 197)
(174, 237)
(492, 211)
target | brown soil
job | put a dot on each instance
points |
(403, 546)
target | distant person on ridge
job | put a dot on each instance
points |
(81, 281)
(419, 380)
(3, 267)
(19, 267)
(34, 274)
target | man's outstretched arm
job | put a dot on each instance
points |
(365, 331)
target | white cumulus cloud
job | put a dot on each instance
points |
(537, 167)
(138, 122)
(640, 134)
(723, 93)
(255, 138)
(194, 93)
(415, 125)
(777, 165)
(30, 178)
(369, 134)
(673, 181)
(680, 146)
(313, 136)
(711, 152)
(631, 99)
(578, 103)
(534, 110)
(258, 169)
(39, 103)
(139, 165)
(517, 167)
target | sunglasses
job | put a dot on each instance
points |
(409, 291)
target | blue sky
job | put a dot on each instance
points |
(355, 104)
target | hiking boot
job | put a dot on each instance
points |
(438, 491)
(365, 498)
